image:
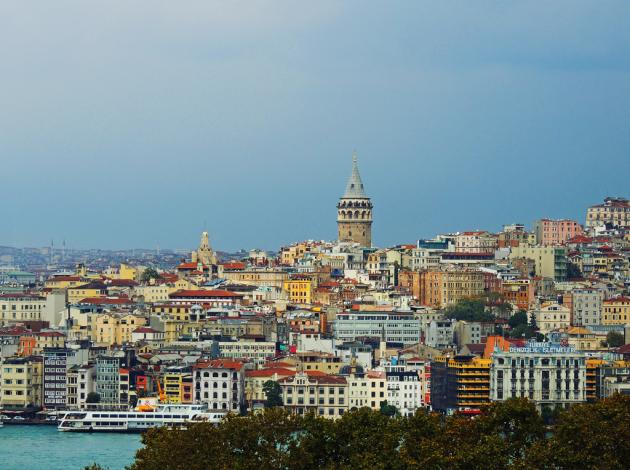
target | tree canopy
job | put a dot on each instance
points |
(273, 393)
(469, 310)
(615, 339)
(508, 435)
(148, 274)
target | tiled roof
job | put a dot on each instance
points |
(204, 293)
(219, 364)
(269, 372)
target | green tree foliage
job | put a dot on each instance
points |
(469, 310)
(589, 436)
(388, 410)
(615, 339)
(273, 393)
(148, 274)
(508, 435)
(519, 318)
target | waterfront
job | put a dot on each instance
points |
(45, 448)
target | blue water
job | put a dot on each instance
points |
(45, 448)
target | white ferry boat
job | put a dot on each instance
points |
(137, 420)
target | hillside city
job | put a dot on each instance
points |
(449, 324)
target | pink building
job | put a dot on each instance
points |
(556, 232)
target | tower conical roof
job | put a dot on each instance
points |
(354, 188)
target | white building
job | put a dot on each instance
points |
(258, 351)
(552, 317)
(220, 384)
(549, 374)
(393, 327)
(440, 334)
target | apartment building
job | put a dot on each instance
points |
(220, 384)
(325, 395)
(549, 374)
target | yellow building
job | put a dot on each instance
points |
(155, 293)
(114, 328)
(21, 383)
(178, 387)
(549, 262)
(258, 277)
(440, 289)
(378, 388)
(460, 383)
(91, 290)
(127, 272)
(65, 282)
(584, 339)
(299, 289)
(172, 327)
(324, 395)
(255, 381)
(316, 361)
(19, 307)
(616, 311)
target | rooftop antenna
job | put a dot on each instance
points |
(52, 250)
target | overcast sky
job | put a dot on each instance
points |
(137, 123)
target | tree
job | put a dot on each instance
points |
(148, 274)
(519, 318)
(573, 271)
(532, 321)
(93, 397)
(507, 435)
(591, 436)
(615, 339)
(273, 394)
(388, 410)
(469, 310)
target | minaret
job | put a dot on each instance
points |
(354, 211)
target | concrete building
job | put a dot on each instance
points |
(556, 232)
(442, 288)
(112, 380)
(21, 380)
(467, 333)
(81, 382)
(616, 311)
(586, 306)
(614, 211)
(476, 242)
(391, 327)
(21, 307)
(440, 334)
(354, 211)
(549, 262)
(460, 383)
(324, 395)
(549, 374)
(220, 383)
(55, 378)
(552, 317)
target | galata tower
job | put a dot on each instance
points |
(354, 211)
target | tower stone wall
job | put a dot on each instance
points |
(354, 211)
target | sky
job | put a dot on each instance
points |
(140, 124)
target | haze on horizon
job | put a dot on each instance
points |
(136, 124)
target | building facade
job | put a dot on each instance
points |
(614, 211)
(354, 211)
(556, 232)
(549, 374)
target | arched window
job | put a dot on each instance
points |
(356, 214)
